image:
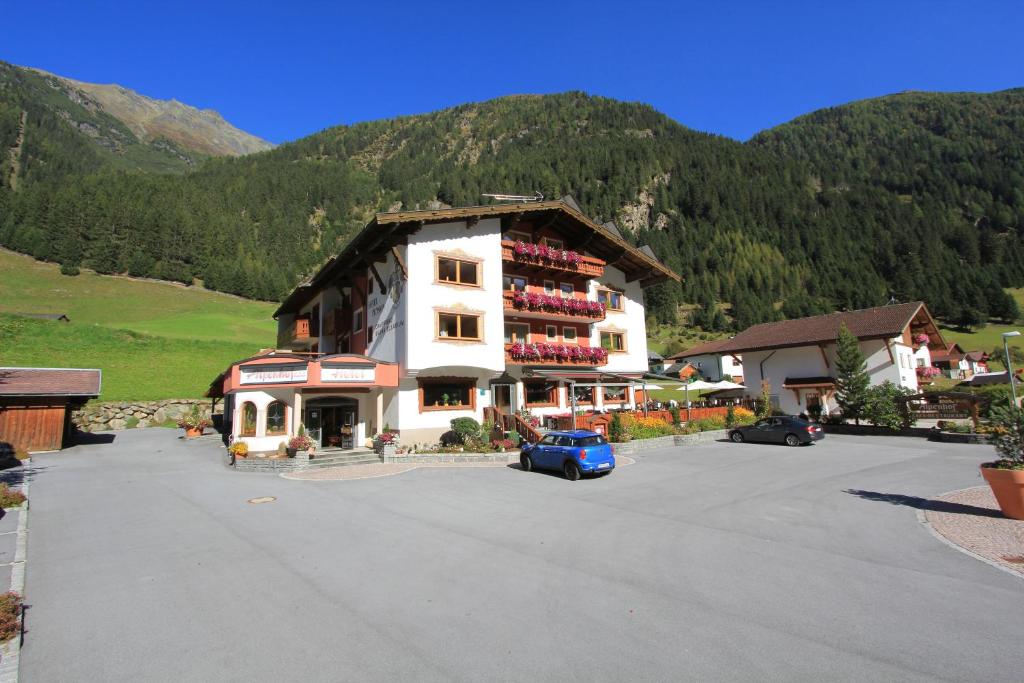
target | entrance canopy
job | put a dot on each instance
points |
(277, 370)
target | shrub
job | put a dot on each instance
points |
(300, 442)
(742, 416)
(10, 610)
(615, 431)
(709, 424)
(451, 438)
(515, 437)
(10, 498)
(730, 417)
(68, 269)
(884, 406)
(465, 427)
(1008, 437)
(646, 427)
(674, 411)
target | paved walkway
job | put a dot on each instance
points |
(719, 562)
(971, 519)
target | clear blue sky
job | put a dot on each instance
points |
(284, 70)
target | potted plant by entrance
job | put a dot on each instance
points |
(385, 443)
(239, 449)
(1006, 476)
(300, 442)
(194, 423)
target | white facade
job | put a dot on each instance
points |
(886, 360)
(716, 367)
(400, 324)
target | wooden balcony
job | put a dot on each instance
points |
(587, 267)
(299, 332)
(592, 356)
(545, 313)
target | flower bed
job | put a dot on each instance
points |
(534, 301)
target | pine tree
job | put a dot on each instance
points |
(851, 375)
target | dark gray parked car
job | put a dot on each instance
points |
(791, 431)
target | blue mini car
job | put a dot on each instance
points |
(573, 453)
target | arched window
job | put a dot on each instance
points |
(276, 418)
(248, 419)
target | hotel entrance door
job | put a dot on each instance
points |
(331, 422)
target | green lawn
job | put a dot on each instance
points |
(164, 309)
(152, 340)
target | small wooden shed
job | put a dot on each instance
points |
(36, 404)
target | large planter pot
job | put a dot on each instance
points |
(291, 452)
(1008, 488)
(191, 433)
(388, 450)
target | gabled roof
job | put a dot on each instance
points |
(46, 316)
(50, 382)
(388, 229)
(977, 356)
(880, 322)
(711, 347)
(951, 352)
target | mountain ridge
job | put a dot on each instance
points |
(785, 217)
(202, 130)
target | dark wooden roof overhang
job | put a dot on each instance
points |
(387, 230)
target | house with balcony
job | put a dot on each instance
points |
(431, 315)
(712, 364)
(797, 358)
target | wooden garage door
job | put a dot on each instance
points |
(32, 424)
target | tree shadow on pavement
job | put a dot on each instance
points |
(924, 503)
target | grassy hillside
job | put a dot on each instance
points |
(151, 339)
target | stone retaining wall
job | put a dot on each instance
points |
(638, 445)
(97, 417)
(427, 458)
(252, 464)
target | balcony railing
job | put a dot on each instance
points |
(539, 258)
(548, 307)
(543, 353)
(298, 332)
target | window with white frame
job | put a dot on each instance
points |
(569, 335)
(551, 332)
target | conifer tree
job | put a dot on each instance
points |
(851, 375)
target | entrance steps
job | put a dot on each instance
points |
(339, 458)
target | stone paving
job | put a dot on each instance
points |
(385, 470)
(970, 518)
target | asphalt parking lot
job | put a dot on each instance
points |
(717, 562)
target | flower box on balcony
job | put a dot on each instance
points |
(543, 257)
(533, 301)
(546, 353)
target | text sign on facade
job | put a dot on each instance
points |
(272, 374)
(347, 373)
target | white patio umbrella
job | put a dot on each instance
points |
(726, 384)
(696, 385)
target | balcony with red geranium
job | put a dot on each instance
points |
(533, 258)
(927, 374)
(545, 306)
(546, 353)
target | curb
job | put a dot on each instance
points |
(10, 652)
(923, 519)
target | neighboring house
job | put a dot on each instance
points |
(952, 361)
(655, 362)
(36, 404)
(797, 357)
(682, 370)
(431, 315)
(711, 364)
(977, 362)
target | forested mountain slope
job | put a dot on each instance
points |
(800, 214)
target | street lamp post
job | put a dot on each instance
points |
(1009, 367)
